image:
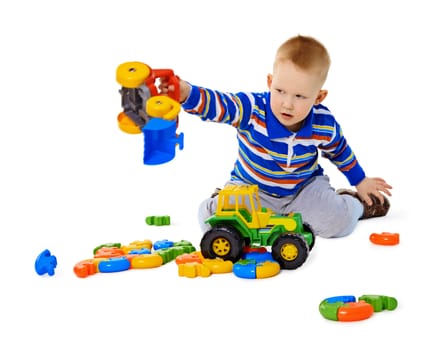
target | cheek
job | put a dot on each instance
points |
(303, 107)
(274, 107)
(275, 101)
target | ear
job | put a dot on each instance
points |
(269, 80)
(322, 94)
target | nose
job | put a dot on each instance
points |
(288, 103)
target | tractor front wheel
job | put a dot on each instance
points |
(222, 242)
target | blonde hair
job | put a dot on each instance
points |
(306, 53)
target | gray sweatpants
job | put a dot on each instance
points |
(328, 214)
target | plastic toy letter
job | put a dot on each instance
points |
(45, 263)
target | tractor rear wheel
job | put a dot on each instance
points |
(222, 242)
(290, 251)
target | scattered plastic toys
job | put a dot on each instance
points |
(255, 263)
(345, 308)
(385, 238)
(45, 263)
(113, 257)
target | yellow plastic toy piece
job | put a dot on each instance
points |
(218, 265)
(132, 74)
(193, 270)
(146, 261)
(267, 269)
(147, 243)
(163, 107)
(127, 125)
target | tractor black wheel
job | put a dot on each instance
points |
(290, 251)
(222, 242)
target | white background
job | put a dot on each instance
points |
(71, 180)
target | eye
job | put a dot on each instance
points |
(300, 97)
(279, 91)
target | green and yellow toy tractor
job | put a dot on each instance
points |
(240, 221)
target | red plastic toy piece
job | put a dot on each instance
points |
(167, 74)
(85, 268)
(248, 249)
(355, 311)
(385, 238)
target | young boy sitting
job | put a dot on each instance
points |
(280, 134)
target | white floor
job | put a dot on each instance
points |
(70, 180)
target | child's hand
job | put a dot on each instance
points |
(375, 186)
(165, 86)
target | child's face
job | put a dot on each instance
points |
(293, 92)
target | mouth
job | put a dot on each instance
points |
(286, 116)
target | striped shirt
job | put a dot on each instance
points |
(278, 160)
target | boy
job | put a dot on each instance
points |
(280, 134)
